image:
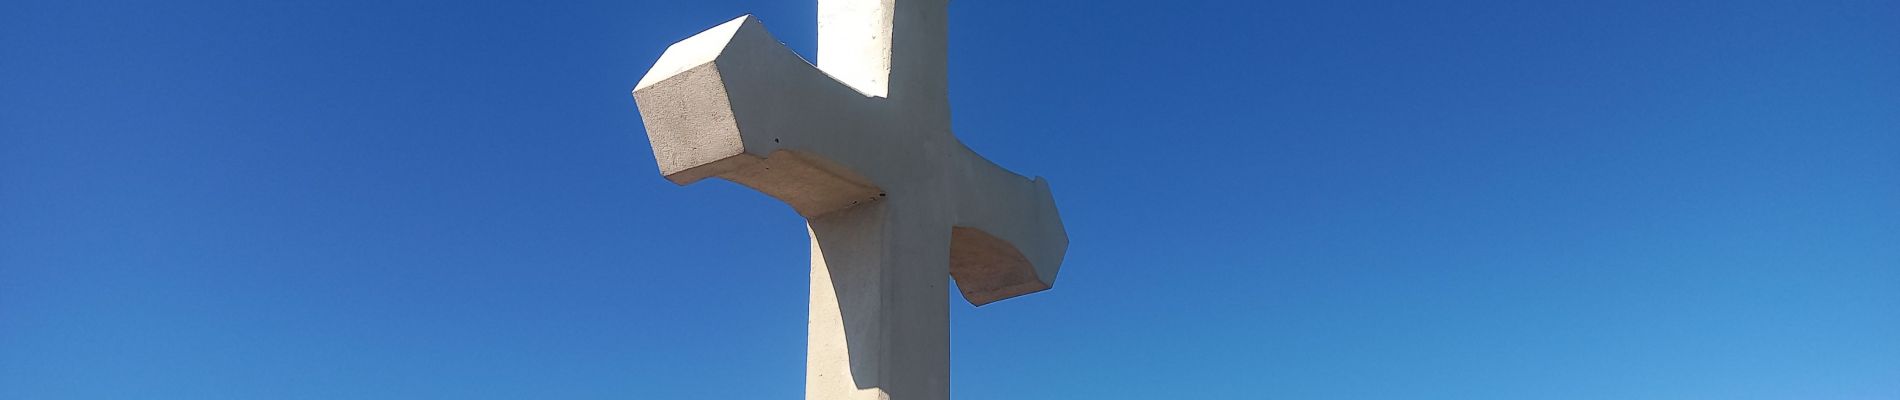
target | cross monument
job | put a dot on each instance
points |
(860, 145)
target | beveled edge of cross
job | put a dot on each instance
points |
(733, 102)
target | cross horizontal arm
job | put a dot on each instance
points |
(732, 102)
(1008, 240)
(735, 103)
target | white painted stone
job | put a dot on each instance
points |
(861, 147)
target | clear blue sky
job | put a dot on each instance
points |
(1298, 200)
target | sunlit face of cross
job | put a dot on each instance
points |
(859, 145)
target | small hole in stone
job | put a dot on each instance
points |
(880, 195)
(774, 140)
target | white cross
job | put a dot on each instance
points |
(861, 147)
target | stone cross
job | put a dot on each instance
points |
(859, 145)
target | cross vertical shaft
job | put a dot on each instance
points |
(879, 319)
(886, 48)
(878, 326)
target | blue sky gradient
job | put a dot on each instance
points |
(1297, 200)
